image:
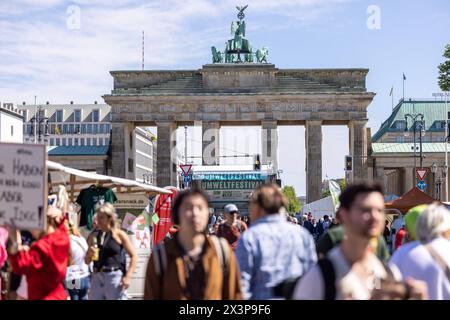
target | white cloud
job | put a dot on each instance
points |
(40, 55)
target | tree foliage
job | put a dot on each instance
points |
(294, 204)
(444, 71)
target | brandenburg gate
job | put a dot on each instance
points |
(239, 88)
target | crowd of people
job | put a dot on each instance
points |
(359, 254)
(59, 264)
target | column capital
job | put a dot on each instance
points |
(166, 123)
(358, 122)
(313, 122)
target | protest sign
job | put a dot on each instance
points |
(23, 185)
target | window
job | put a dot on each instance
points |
(52, 141)
(100, 141)
(12, 131)
(25, 115)
(63, 141)
(59, 115)
(130, 165)
(399, 139)
(77, 129)
(83, 128)
(96, 115)
(77, 115)
(57, 142)
(71, 129)
(400, 125)
(107, 128)
(89, 128)
(65, 128)
(102, 128)
(94, 141)
(106, 141)
(75, 141)
(82, 142)
(69, 140)
(88, 141)
(95, 128)
(52, 129)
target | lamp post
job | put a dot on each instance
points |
(438, 181)
(421, 126)
(147, 177)
(40, 125)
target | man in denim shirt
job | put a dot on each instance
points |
(272, 250)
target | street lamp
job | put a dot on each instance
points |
(439, 180)
(40, 123)
(421, 127)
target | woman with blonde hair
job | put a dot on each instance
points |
(77, 278)
(106, 249)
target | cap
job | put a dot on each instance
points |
(231, 208)
(411, 219)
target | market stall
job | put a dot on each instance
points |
(410, 199)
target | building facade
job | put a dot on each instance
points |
(78, 135)
(239, 88)
(393, 161)
(11, 120)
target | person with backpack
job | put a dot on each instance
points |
(107, 249)
(192, 265)
(272, 250)
(351, 270)
(232, 228)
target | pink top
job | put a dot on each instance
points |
(3, 253)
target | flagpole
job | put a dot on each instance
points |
(403, 86)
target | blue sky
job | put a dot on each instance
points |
(46, 50)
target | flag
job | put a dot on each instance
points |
(163, 220)
(392, 90)
(404, 77)
(335, 191)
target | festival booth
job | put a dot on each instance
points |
(133, 201)
(410, 199)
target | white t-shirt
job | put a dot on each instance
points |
(78, 248)
(348, 284)
(414, 260)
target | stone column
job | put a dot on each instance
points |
(210, 143)
(123, 150)
(408, 178)
(313, 144)
(269, 140)
(380, 177)
(166, 158)
(358, 149)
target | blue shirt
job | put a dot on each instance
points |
(271, 251)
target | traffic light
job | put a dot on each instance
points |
(257, 165)
(348, 163)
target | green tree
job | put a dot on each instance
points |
(444, 71)
(294, 204)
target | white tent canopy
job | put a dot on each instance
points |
(320, 208)
(60, 174)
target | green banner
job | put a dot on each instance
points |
(231, 185)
